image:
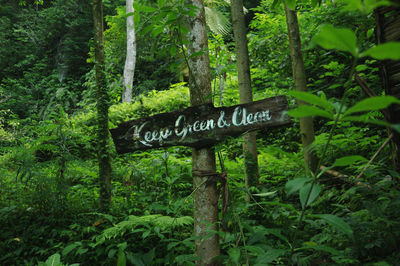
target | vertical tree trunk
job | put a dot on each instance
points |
(203, 160)
(102, 108)
(387, 21)
(245, 92)
(130, 61)
(300, 83)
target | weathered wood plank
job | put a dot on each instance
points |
(199, 126)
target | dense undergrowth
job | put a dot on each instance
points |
(49, 199)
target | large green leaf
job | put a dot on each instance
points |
(372, 104)
(341, 39)
(308, 110)
(389, 50)
(294, 185)
(305, 191)
(349, 160)
(312, 99)
(336, 222)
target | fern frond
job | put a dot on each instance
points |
(148, 221)
(217, 21)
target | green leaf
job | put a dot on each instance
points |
(136, 18)
(305, 190)
(275, 232)
(395, 127)
(147, 29)
(308, 110)
(336, 222)
(234, 254)
(156, 31)
(349, 160)
(341, 39)
(69, 248)
(389, 50)
(172, 245)
(291, 4)
(142, 8)
(372, 104)
(366, 119)
(146, 234)
(255, 250)
(312, 99)
(265, 194)
(112, 253)
(54, 260)
(365, 6)
(121, 258)
(294, 185)
(172, 50)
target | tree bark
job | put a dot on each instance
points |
(245, 91)
(102, 108)
(130, 61)
(387, 21)
(203, 160)
(300, 83)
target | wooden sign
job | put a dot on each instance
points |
(199, 126)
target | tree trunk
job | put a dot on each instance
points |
(300, 83)
(130, 61)
(245, 92)
(102, 108)
(387, 20)
(203, 160)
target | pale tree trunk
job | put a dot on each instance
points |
(130, 61)
(203, 160)
(300, 83)
(102, 108)
(245, 92)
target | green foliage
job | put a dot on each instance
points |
(389, 50)
(153, 103)
(49, 209)
(341, 39)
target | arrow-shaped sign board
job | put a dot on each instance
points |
(199, 126)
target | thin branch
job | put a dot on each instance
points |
(375, 155)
